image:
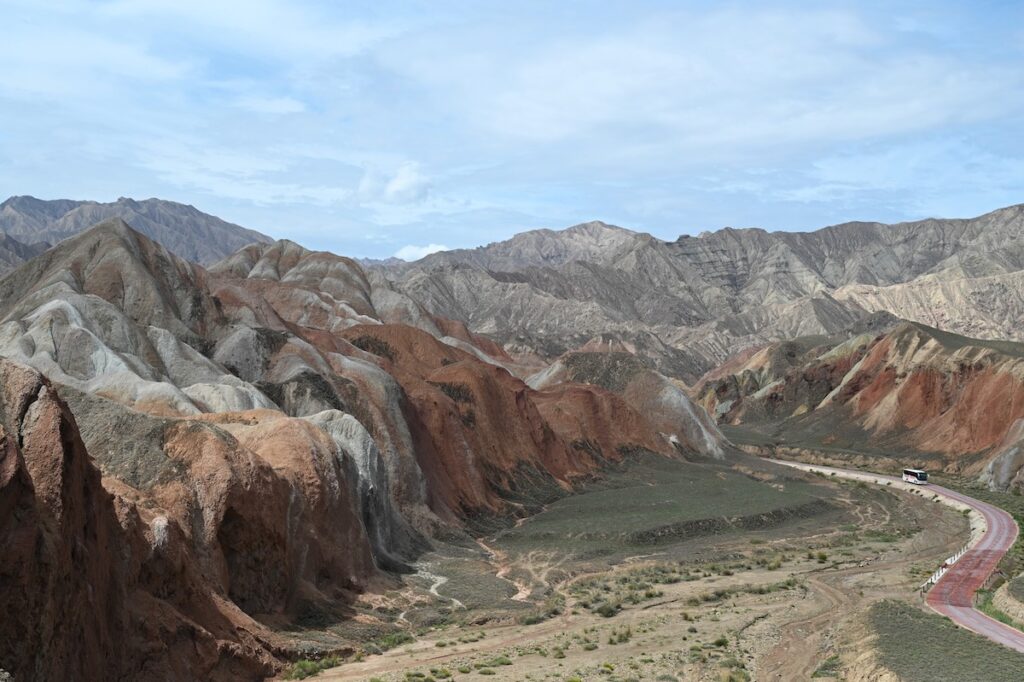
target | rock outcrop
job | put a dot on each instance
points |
(95, 585)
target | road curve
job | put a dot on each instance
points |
(953, 595)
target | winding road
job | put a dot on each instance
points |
(953, 595)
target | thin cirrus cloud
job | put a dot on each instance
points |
(356, 127)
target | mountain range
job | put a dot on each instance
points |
(692, 302)
(207, 435)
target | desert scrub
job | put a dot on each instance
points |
(553, 606)
(458, 392)
(379, 347)
(1016, 588)
(300, 670)
(830, 667)
(924, 647)
(985, 605)
(393, 639)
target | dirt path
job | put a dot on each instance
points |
(503, 567)
(438, 582)
(839, 595)
(796, 656)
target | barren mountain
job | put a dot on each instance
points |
(186, 231)
(543, 293)
(275, 436)
(13, 253)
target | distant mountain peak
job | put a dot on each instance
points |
(184, 229)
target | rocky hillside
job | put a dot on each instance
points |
(265, 440)
(934, 397)
(697, 299)
(13, 253)
(186, 231)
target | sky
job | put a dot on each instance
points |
(381, 128)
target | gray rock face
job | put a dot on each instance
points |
(707, 297)
(367, 474)
(13, 253)
(186, 231)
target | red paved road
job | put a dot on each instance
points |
(953, 595)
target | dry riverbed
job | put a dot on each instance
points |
(779, 604)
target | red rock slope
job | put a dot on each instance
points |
(911, 387)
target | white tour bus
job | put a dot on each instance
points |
(917, 476)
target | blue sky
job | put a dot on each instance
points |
(377, 128)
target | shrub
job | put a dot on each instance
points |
(393, 639)
(458, 392)
(300, 670)
(371, 344)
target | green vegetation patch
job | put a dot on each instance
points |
(985, 605)
(654, 500)
(925, 647)
(393, 639)
(300, 670)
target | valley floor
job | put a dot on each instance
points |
(804, 597)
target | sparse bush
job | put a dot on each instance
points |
(458, 392)
(829, 668)
(371, 344)
(393, 639)
(300, 670)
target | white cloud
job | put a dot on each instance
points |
(689, 87)
(413, 252)
(407, 184)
